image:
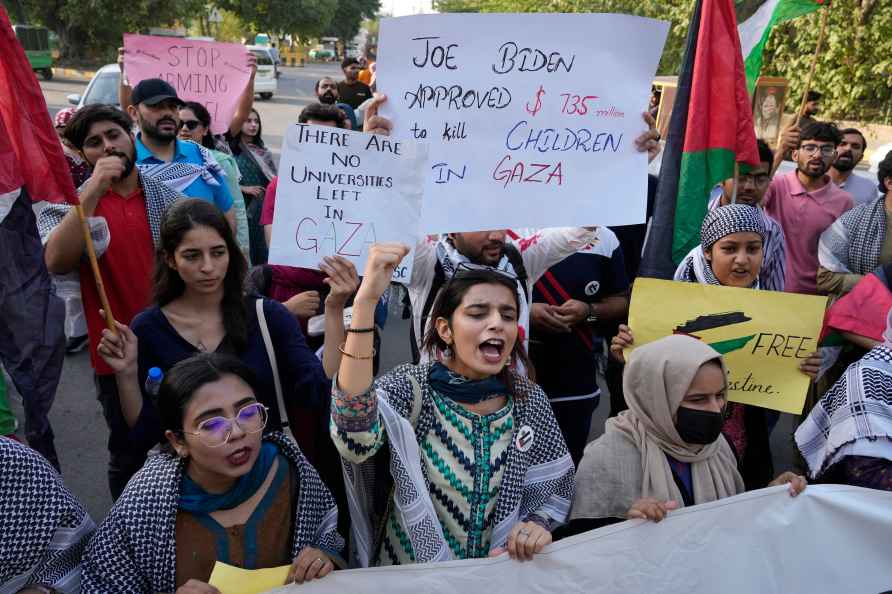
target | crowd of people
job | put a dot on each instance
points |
(262, 443)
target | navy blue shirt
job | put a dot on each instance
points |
(566, 364)
(303, 378)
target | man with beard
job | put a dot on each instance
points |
(751, 189)
(185, 167)
(805, 202)
(350, 90)
(848, 154)
(327, 94)
(124, 208)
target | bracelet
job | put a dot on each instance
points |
(346, 354)
(361, 330)
(592, 314)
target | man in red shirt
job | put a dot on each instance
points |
(124, 210)
(805, 202)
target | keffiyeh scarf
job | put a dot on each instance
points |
(719, 222)
(178, 175)
(852, 244)
(857, 410)
(538, 480)
(134, 549)
(43, 528)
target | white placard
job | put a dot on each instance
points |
(531, 118)
(341, 191)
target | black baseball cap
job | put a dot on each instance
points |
(153, 91)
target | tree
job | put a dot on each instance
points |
(307, 18)
(348, 18)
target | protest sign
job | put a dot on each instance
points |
(763, 335)
(531, 118)
(213, 74)
(341, 191)
(761, 541)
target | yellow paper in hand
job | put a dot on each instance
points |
(762, 335)
(235, 580)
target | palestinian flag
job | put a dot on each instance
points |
(711, 127)
(755, 30)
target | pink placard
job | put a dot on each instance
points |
(213, 74)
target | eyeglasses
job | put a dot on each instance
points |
(190, 124)
(471, 267)
(827, 150)
(216, 431)
(758, 180)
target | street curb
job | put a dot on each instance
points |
(74, 73)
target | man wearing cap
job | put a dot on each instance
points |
(184, 167)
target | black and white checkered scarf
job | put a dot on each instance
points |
(43, 527)
(858, 408)
(134, 549)
(852, 244)
(720, 222)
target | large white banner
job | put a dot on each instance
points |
(341, 191)
(531, 117)
(831, 539)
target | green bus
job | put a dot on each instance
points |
(36, 42)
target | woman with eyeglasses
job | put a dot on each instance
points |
(219, 490)
(731, 240)
(200, 307)
(195, 125)
(477, 465)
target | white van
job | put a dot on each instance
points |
(265, 83)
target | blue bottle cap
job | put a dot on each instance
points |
(155, 374)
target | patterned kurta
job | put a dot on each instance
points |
(464, 458)
(476, 481)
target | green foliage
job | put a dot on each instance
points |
(349, 17)
(94, 28)
(281, 17)
(854, 71)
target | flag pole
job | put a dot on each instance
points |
(814, 62)
(736, 182)
(94, 266)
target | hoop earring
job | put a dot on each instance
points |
(447, 352)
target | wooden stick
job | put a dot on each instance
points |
(735, 182)
(814, 62)
(94, 265)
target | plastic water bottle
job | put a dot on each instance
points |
(153, 381)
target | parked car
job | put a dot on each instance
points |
(36, 43)
(321, 53)
(102, 88)
(265, 83)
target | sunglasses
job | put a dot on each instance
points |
(190, 124)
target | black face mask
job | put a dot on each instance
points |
(698, 426)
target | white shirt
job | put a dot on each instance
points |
(862, 189)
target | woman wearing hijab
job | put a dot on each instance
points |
(847, 437)
(667, 450)
(731, 253)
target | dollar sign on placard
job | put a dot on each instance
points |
(535, 109)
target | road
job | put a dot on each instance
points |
(81, 432)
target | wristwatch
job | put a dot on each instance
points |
(592, 313)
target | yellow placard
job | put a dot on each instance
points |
(235, 580)
(763, 335)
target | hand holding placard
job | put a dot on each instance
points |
(339, 192)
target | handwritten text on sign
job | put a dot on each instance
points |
(213, 74)
(531, 117)
(341, 191)
(763, 335)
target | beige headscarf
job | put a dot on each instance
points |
(655, 381)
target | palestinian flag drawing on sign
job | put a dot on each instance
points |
(755, 30)
(710, 129)
(711, 322)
